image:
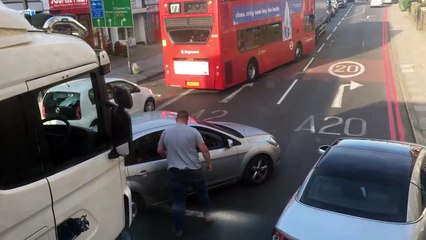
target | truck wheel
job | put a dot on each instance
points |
(298, 52)
(252, 71)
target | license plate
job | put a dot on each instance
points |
(193, 84)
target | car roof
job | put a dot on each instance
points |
(80, 85)
(145, 121)
(386, 160)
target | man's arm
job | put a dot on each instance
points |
(161, 149)
(205, 151)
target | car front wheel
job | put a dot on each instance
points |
(149, 105)
(257, 170)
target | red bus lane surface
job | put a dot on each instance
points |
(391, 93)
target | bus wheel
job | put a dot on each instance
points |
(252, 71)
(298, 52)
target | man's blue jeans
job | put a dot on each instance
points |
(179, 181)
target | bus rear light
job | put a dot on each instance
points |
(164, 43)
(167, 66)
(217, 67)
(167, 72)
(217, 74)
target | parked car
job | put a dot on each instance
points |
(376, 3)
(360, 189)
(75, 101)
(238, 152)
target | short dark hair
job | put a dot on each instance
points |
(182, 115)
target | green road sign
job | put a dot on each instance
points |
(111, 13)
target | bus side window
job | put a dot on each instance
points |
(241, 41)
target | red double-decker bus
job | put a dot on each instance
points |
(215, 44)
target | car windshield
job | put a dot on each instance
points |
(220, 127)
(367, 197)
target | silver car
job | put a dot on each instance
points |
(360, 189)
(238, 152)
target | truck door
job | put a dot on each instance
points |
(87, 187)
(25, 200)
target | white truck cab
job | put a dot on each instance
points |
(58, 181)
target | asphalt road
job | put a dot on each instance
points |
(346, 88)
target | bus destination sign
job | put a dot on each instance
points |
(195, 7)
(188, 7)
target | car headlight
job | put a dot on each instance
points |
(272, 141)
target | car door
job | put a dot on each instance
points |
(147, 170)
(138, 103)
(25, 200)
(225, 160)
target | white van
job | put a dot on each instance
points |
(58, 181)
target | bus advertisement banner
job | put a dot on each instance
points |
(261, 11)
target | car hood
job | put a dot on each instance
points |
(300, 221)
(244, 130)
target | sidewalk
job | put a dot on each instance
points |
(148, 57)
(408, 46)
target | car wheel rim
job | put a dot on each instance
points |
(149, 106)
(259, 171)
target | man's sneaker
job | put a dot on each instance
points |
(178, 234)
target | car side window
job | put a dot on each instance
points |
(20, 156)
(144, 149)
(213, 140)
(132, 88)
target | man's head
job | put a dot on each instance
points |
(182, 117)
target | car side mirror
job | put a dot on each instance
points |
(322, 149)
(230, 143)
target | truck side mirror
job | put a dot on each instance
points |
(121, 124)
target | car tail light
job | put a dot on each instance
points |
(43, 111)
(277, 235)
(78, 112)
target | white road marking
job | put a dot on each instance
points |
(406, 68)
(339, 22)
(329, 36)
(174, 99)
(232, 95)
(286, 92)
(309, 63)
(363, 43)
(337, 102)
(319, 50)
(335, 28)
